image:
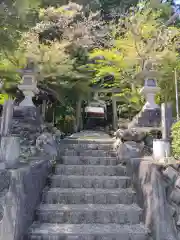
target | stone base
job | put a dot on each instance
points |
(27, 114)
(147, 118)
(10, 151)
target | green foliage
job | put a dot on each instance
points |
(122, 5)
(58, 60)
(130, 102)
(15, 17)
(65, 117)
(142, 46)
(70, 22)
(63, 39)
(3, 98)
(176, 139)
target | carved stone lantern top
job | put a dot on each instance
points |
(28, 77)
(149, 90)
(150, 86)
(150, 83)
(29, 83)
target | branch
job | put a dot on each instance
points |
(172, 19)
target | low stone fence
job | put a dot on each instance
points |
(20, 193)
(158, 191)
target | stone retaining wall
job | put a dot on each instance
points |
(20, 193)
(158, 193)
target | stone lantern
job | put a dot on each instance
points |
(28, 85)
(150, 90)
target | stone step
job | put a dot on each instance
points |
(90, 170)
(89, 213)
(88, 141)
(73, 181)
(49, 231)
(92, 153)
(90, 146)
(88, 196)
(82, 160)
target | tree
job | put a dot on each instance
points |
(16, 16)
(59, 44)
(142, 46)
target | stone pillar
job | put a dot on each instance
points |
(115, 118)
(78, 114)
(166, 120)
(44, 109)
(10, 151)
(6, 119)
(9, 145)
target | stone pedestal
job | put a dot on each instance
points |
(27, 102)
(166, 120)
(150, 115)
(26, 114)
(26, 124)
(147, 118)
(10, 151)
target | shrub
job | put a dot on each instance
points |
(176, 139)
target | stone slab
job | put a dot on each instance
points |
(89, 170)
(89, 213)
(89, 196)
(22, 198)
(88, 231)
(73, 181)
(86, 160)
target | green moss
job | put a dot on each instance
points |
(176, 139)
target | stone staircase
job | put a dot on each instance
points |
(89, 197)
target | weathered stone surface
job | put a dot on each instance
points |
(148, 141)
(172, 210)
(9, 145)
(147, 118)
(87, 152)
(89, 196)
(177, 183)
(88, 189)
(92, 213)
(90, 170)
(178, 221)
(129, 149)
(85, 231)
(130, 135)
(73, 181)
(151, 196)
(175, 196)
(171, 173)
(29, 115)
(20, 201)
(46, 143)
(84, 160)
(4, 179)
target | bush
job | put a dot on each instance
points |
(176, 139)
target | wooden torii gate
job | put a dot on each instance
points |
(114, 99)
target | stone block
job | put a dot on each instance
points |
(175, 196)
(4, 179)
(178, 221)
(172, 210)
(177, 183)
(24, 193)
(10, 145)
(171, 173)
